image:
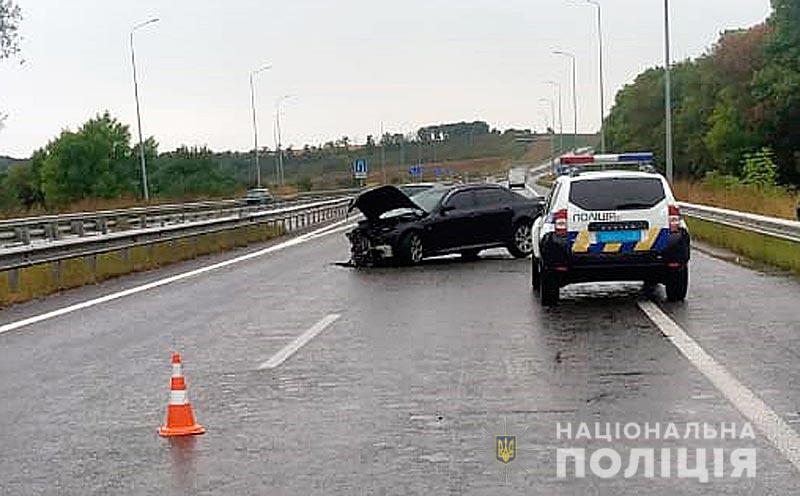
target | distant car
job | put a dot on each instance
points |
(461, 219)
(257, 196)
(413, 189)
(517, 179)
(610, 226)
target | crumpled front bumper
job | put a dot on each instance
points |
(365, 252)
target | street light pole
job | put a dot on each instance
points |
(383, 154)
(560, 115)
(668, 91)
(602, 78)
(574, 94)
(281, 177)
(255, 123)
(142, 159)
(553, 117)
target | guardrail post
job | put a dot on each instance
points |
(51, 231)
(77, 228)
(23, 235)
(102, 225)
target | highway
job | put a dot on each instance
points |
(400, 389)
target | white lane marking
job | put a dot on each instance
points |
(330, 229)
(774, 428)
(291, 348)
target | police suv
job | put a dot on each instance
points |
(610, 218)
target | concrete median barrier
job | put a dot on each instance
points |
(25, 283)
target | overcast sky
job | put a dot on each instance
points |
(350, 63)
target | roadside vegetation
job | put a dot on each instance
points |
(97, 166)
(736, 117)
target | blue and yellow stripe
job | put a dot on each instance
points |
(655, 240)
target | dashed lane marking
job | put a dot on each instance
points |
(324, 231)
(291, 348)
(764, 418)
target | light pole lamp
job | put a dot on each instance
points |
(142, 160)
(560, 114)
(255, 122)
(571, 56)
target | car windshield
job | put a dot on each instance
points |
(427, 200)
(414, 189)
(629, 193)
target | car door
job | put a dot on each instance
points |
(453, 225)
(493, 216)
(544, 218)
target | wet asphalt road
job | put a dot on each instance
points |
(402, 395)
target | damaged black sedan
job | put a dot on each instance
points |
(442, 220)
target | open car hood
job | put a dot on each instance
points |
(378, 201)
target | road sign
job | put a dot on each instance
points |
(360, 168)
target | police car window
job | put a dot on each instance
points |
(552, 197)
(462, 200)
(627, 193)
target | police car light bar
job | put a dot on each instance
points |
(575, 163)
(642, 157)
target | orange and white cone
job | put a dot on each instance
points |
(180, 418)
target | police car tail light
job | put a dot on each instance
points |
(560, 221)
(674, 218)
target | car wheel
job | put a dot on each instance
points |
(470, 254)
(410, 249)
(549, 291)
(536, 276)
(521, 245)
(677, 285)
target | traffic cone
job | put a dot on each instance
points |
(180, 418)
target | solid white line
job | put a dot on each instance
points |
(291, 348)
(764, 418)
(332, 228)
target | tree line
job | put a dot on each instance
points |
(736, 109)
(98, 161)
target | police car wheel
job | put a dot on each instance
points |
(549, 291)
(677, 285)
(521, 245)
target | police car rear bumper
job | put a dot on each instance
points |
(570, 268)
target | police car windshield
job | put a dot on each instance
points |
(628, 193)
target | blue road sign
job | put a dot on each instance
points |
(360, 168)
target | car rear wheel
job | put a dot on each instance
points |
(549, 290)
(410, 250)
(677, 285)
(521, 245)
(470, 254)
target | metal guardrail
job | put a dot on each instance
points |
(769, 226)
(292, 217)
(50, 228)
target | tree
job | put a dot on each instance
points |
(10, 18)
(94, 162)
(759, 169)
